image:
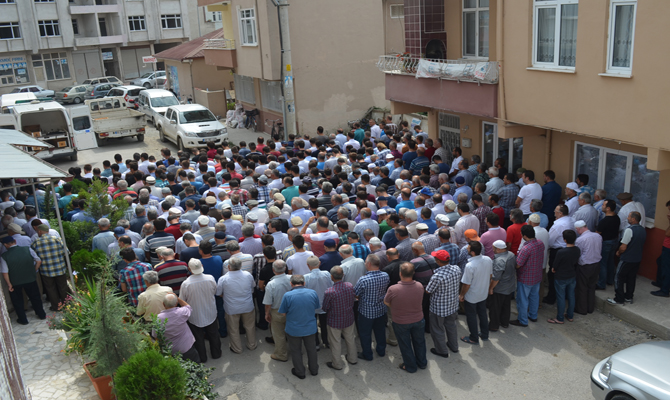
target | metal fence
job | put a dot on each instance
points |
(220, 44)
(458, 70)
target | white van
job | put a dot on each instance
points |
(7, 101)
(154, 102)
(48, 121)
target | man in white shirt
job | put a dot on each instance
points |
(456, 152)
(494, 184)
(353, 142)
(556, 242)
(474, 292)
(571, 191)
(465, 221)
(353, 267)
(297, 263)
(237, 288)
(375, 130)
(319, 281)
(530, 191)
(628, 206)
(586, 212)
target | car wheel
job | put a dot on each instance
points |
(147, 85)
(140, 138)
(77, 100)
(180, 145)
(74, 156)
(101, 142)
(621, 396)
(161, 136)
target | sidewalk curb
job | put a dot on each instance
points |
(627, 313)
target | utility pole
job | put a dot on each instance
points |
(287, 70)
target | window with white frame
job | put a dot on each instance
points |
(55, 65)
(213, 16)
(493, 147)
(10, 30)
(244, 89)
(397, 10)
(248, 27)
(450, 130)
(7, 1)
(171, 21)
(476, 28)
(271, 95)
(555, 33)
(617, 172)
(621, 36)
(44, 1)
(137, 23)
(49, 28)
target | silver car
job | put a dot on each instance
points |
(148, 80)
(638, 373)
(71, 94)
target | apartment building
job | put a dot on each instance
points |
(55, 43)
(567, 85)
(334, 49)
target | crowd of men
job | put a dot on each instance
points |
(384, 235)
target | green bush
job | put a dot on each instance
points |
(149, 375)
(88, 264)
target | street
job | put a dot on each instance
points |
(542, 361)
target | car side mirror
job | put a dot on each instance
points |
(173, 122)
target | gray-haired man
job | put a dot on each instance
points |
(278, 285)
(150, 302)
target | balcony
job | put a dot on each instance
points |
(220, 52)
(100, 40)
(92, 9)
(464, 86)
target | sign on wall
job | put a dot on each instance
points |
(107, 55)
(149, 60)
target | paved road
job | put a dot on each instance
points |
(152, 145)
(542, 361)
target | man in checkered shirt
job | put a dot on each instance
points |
(508, 195)
(53, 269)
(529, 265)
(131, 276)
(443, 288)
(370, 290)
(338, 303)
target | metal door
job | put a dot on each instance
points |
(84, 136)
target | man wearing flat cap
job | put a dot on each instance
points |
(628, 205)
(503, 284)
(19, 265)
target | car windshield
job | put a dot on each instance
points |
(165, 101)
(15, 91)
(148, 74)
(66, 89)
(87, 82)
(134, 92)
(191, 117)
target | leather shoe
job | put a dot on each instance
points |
(434, 351)
(360, 355)
(270, 340)
(532, 319)
(656, 283)
(660, 293)
(517, 323)
(329, 364)
(294, 372)
(22, 322)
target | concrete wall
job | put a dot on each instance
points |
(204, 76)
(394, 29)
(262, 60)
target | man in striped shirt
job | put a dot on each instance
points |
(158, 239)
(171, 272)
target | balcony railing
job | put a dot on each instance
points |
(485, 72)
(227, 44)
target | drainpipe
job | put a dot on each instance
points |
(500, 49)
(547, 149)
(286, 69)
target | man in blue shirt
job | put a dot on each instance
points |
(551, 195)
(331, 257)
(299, 306)
(410, 155)
(461, 187)
(406, 202)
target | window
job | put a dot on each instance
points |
(271, 95)
(49, 28)
(248, 27)
(55, 65)
(493, 147)
(44, 1)
(75, 27)
(81, 123)
(13, 70)
(618, 171)
(397, 10)
(213, 16)
(476, 28)
(7, 1)
(10, 30)
(244, 89)
(555, 34)
(171, 21)
(621, 37)
(136, 23)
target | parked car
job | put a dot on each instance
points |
(37, 90)
(154, 102)
(190, 126)
(100, 91)
(636, 373)
(72, 94)
(160, 82)
(104, 79)
(148, 80)
(128, 92)
(113, 120)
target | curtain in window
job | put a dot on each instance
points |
(623, 36)
(469, 33)
(483, 34)
(546, 34)
(568, 47)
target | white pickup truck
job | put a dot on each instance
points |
(190, 126)
(112, 119)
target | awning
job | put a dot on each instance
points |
(11, 136)
(16, 163)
